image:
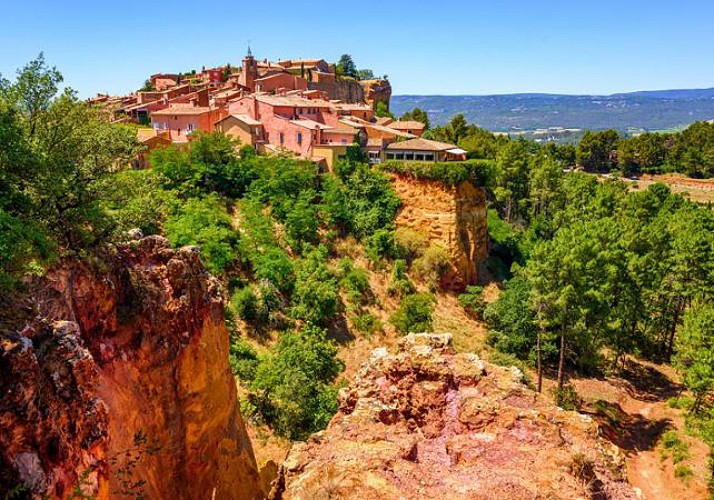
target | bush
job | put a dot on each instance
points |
(479, 172)
(366, 323)
(204, 222)
(400, 285)
(432, 266)
(292, 390)
(672, 445)
(567, 397)
(381, 245)
(410, 244)
(472, 301)
(316, 295)
(356, 283)
(244, 304)
(243, 359)
(414, 314)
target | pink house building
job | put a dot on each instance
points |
(183, 120)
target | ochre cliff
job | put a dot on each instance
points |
(348, 90)
(378, 90)
(425, 422)
(453, 217)
(126, 363)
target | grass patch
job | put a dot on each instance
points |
(673, 446)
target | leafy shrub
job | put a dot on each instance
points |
(381, 245)
(512, 323)
(432, 265)
(292, 390)
(315, 297)
(479, 172)
(356, 283)
(414, 313)
(567, 397)
(410, 243)
(674, 446)
(400, 284)
(301, 220)
(683, 472)
(366, 323)
(243, 359)
(472, 301)
(245, 304)
(204, 222)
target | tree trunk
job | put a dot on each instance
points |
(673, 329)
(540, 366)
(561, 361)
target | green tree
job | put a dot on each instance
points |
(414, 314)
(204, 222)
(346, 66)
(417, 114)
(316, 295)
(695, 356)
(292, 389)
(595, 150)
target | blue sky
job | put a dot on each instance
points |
(434, 47)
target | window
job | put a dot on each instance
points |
(344, 141)
(429, 157)
(299, 137)
(419, 157)
(191, 127)
(391, 156)
(409, 156)
(282, 138)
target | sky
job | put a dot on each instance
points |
(443, 47)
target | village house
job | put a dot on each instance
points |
(183, 119)
(420, 149)
(150, 139)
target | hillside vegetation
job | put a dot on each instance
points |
(592, 274)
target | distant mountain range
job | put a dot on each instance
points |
(643, 110)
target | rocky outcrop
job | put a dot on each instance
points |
(453, 217)
(343, 90)
(123, 382)
(425, 422)
(378, 90)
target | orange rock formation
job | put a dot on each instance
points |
(138, 349)
(425, 422)
(452, 217)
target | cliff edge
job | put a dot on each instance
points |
(122, 385)
(425, 422)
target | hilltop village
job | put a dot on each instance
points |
(303, 108)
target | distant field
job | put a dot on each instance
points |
(637, 111)
(699, 190)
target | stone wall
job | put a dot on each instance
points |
(452, 217)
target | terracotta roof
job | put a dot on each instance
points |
(194, 110)
(352, 106)
(385, 120)
(420, 144)
(243, 118)
(141, 105)
(292, 101)
(311, 124)
(406, 125)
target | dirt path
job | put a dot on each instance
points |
(633, 413)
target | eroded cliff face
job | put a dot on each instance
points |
(452, 217)
(424, 422)
(378, 90)
(130, 363)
